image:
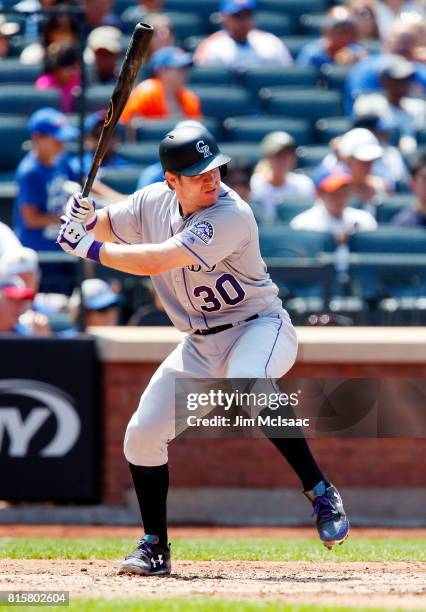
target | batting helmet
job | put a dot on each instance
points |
(190, 151)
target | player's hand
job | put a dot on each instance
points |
(81, 210)
(74, 239)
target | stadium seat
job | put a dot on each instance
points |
(289, 7)
(205, 8)
(13, 132)
(25, 99)
(13, 71)
(335, 76)
(392, 206)
(211, 75)
(187, 24)
(279, 24)
(141, 154)
(309, 103)
(257, 77)
(296, 43)
(388, 239)
(302, 278)
(192, 42)
(222, 102)
(156, 129)
(241, 150)
(311, 23)
(310, 156)
(280, 240)
(120, 5)
(8, 191)
(123, 180)
(253, 129)
(286, 211)
(96, 98)
(327, 129)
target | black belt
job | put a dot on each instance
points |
(219, 328)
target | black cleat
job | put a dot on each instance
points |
(148, 559)
(332, 522)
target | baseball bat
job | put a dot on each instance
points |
(132, 62)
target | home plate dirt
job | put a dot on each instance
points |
(374, 583)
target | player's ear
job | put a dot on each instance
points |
(171, 178)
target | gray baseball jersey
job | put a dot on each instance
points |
(228, 284)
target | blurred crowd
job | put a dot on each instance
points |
(376, 48)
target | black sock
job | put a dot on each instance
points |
(299, 456)
(151, 486)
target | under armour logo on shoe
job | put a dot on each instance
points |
(159, 560)
(203, 148)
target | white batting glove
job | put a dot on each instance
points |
(74, 239)
(81, 210)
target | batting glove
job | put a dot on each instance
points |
(74, 239)
(81, 210)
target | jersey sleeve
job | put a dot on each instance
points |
(126, 219)
(213, 237)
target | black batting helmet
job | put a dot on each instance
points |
(190, 151)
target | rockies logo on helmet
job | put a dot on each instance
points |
(203, 148)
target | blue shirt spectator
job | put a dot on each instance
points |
(151, 174)
(40, 177)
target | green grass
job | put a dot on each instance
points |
(193, 604)
(221, 549)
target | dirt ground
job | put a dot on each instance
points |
(381, 584)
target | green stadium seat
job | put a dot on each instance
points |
(13, 132)
(329, 128)
(311, 155)
(311, 23)
(335, 76)
(13, 71)
(304, 278)
(205, 7)
(279, 24)
(212, 75)
(241, 150)
(308, 103)
(392, 206)
(388, 239)
(187, 24)
(257, 77)
(123, 180)
(222, 102)
(96, 98)
(25, 99)
(253, 129)
(286, 211)
(156, 129)
(296, 43)
(121, 5)
(280, 240)
(141, 154)
(292, 8)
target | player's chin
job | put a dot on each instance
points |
(210, 197)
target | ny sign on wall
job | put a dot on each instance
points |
(48, 419)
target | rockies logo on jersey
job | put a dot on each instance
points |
(203, 229)
(203, 148)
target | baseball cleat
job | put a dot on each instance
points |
(148, 559)
(331, 520)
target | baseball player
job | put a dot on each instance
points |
(198, 240)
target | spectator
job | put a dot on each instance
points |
(101, 303)
(338, 45)
(100, 13)
(273, 181)
(154, 172)
(415, 215)
(240, 44)
(141, 12)
(92, 128)
(40, 176)
(8, 239)
(164, 34)
(391, 166)
(164, 95)
(238, 175)
(58, 28)
(152, 313)
(62, 73)
(23, 263)
(358, 149)
(14, 298)
(389, 11)
(394, 105)
(330, 213)
(7, 30)
(364, 15)
(405, 39)
(104, 49)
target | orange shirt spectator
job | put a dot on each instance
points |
(164, 95)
